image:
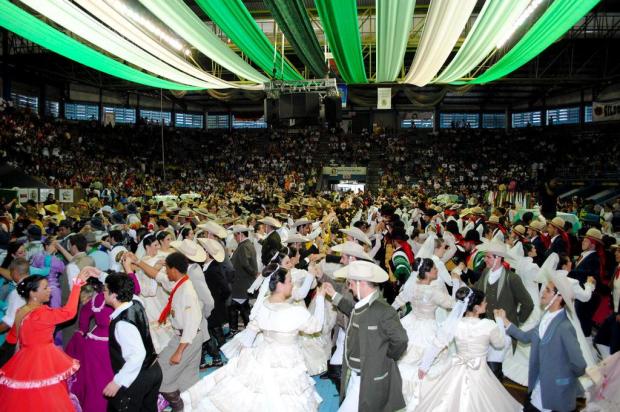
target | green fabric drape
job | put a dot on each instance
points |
(339, 20)
(394, 21)
(557, 19)
(294, 22)
(236, 21)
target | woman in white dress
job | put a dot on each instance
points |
(271, 376)
(468, 385)
(425, 296)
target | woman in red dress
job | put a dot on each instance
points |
(36, 376)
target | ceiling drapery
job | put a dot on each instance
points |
(180, 18)
(294, 22)
(339, 19)
(445, 21)
(29, 27)
(394, 21)
(494, 19)
(557, 20)
(236, 21)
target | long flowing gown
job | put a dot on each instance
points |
(269, 377)
(35, 378)
(421, 326)
(468, 385)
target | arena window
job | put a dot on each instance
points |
(419, 123)
(588, 114)
(52, 108)
(525, 119)
(458, 121)
(217, 121)
(155, 116)
(243, 123)
(493, 120)
(122, 114)
(80, 111)
(565, 115)
(23, 101)
(188, 120)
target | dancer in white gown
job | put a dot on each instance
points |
(271, 376)
(425, 297)
(468, 384)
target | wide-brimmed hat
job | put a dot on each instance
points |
(519, 230)
(184, 213)
(268, 220)
(493, 220)
(465, 212)
(494, 247)
(557, 222)
(54, 209)
(356, 234)
(213, 228)
(213, 248)
(190, 249)
(296, 238)
(362, 270)
(594, 234)
(536, 225)
(560, 280)
(477, 211)
(301, 222)
(240, 229)
(352, 249)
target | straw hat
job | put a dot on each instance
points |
(357, 234)
(268, 220)
(477, 210)
(465, 212)
(536, 225)
(300, 222)
(594, 234)
(240, 229)
(519, 230)
(494, 247)
(352, 249)
(213, 228)
(190, 249)
(557, 222)
(296, 238)
(213, 248)
(184, 213)
(493, 220)
(53, 208)
(362, 270)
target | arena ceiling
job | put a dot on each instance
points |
(584, 57)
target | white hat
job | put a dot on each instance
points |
(357, 234)
(184, 213)
(296, 238)
(214, 228)
(213, 248)
(240, 229)
(268, 220)
(494, 247)
(190, 249)
(362, 270)
(352, 249)
(302, 221)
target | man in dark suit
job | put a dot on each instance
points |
(588, 264)
(272, 243)
(555, 228)
(220, 290)
(535, 233)
(246, 270)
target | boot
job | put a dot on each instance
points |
(174, 399)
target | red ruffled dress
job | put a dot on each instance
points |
(36, 376)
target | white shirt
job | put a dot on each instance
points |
(14, 302)
(495, 275)
(72, 272)
(365, 300)
(542, 328)
(133, 351)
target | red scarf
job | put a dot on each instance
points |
(407, 249)
(166, 312)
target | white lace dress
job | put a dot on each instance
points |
(269, 377)
(468, 385)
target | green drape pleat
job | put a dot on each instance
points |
(559, 18)
(340, 24)
(236, 21)
(294, 22)
(394, 21)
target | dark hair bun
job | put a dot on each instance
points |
(476, 298)
(29, 284)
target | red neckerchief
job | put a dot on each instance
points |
(166, 312)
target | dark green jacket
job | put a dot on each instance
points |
(270, 245)
(383, 341)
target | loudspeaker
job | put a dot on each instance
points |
(333, 110)
(271, 111)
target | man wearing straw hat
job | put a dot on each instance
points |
(556, 360)
(272, 242)
(555, 229)
(246, 270)
(375, 340)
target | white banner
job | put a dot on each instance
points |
(43, 193)
(603, 112)
(344, 171)
(65, 195)
(384, 98)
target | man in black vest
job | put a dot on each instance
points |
(137, 375)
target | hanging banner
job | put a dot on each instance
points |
(603, 112)
(343, 91)
(384, 98)
(65, 195)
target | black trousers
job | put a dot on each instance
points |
(141, 395)
(213, 345)
(496, 368)
(234, 310)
